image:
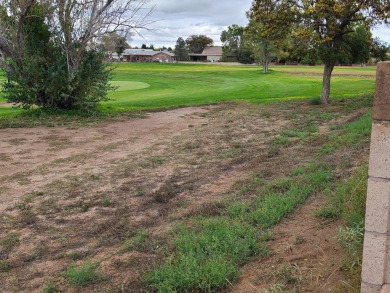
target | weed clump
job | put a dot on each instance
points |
(315, 101)
(79, 276)
(9, 241)
(4, 266)
(50, 287)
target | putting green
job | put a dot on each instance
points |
(129, 85)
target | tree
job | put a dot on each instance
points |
(197, 43)
(113, 42)
(264, 50)
(50, 48)
(358, 45)
(181, 50)
(325, 23)
(146, 47)
(296, 49)
(379, 50)
(232, 40)
(120, 46)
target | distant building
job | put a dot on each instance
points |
(147, 55)
(210, 54)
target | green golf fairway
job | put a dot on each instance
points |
(173, 85)
(150, 86)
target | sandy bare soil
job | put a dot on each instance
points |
(68, 195)
(42, 155)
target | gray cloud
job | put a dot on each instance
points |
(182, 18)
(185, 6)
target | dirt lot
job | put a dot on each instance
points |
(70, 194)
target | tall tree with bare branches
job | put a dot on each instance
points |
(68, 51)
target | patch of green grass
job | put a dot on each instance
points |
(79, 276)
(84, 207)
(275, 288)
(77, 255)
(228, 153)
(300, 170)
(106, 201)
(10, 241)
(4, 266)
(152, 162)
(315, 101)
(236, 145)
(348, 202)
(327, 213)
(281, 196)
(139, 192)
(250, 185)
(238, 210)
(349, 199)
(139, 238)
(12, 118)
(281, 141)
(138, 241)
(206, 255)
(290, 274)
(293, 133)
(311, 128)
(209, 251)
(351, 239)
(358, 130)
(95, 177)
(322, 115)
(50, 287)
(327, 149)
(355, 133)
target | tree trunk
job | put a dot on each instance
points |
(265, 57)
(329, 65)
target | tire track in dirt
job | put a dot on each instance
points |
(37, 156)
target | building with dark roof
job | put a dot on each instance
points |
(147, 55)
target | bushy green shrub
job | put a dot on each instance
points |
(41, 74)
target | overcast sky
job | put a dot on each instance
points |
(182, 18)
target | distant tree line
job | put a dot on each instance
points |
(248, 45)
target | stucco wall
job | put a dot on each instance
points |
(376, 253)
